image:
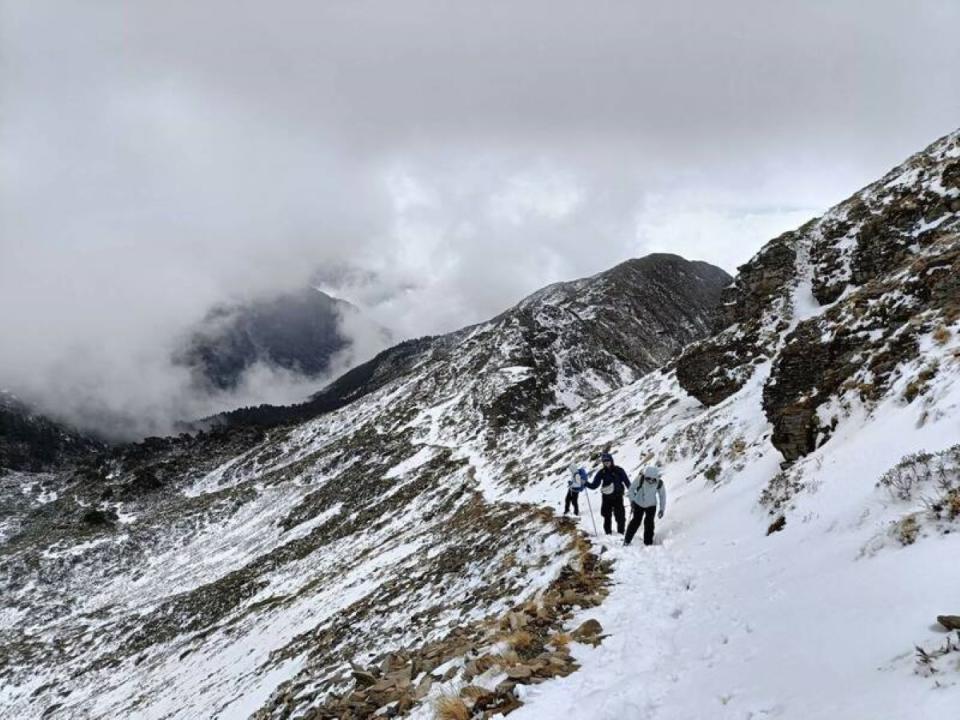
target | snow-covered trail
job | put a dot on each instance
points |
(687, 641)
(719, 621)
(626, 677)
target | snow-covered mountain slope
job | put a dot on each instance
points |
(214, 575)
(567, 343)
(806, 549)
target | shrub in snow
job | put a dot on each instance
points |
(779, 491)
(907, 530)
(450, 707)
(942, 335)
(918, 386)
(931, 662)
(938, 472)
(907, 475)
(521, 641)
(931, 480)
(713, 472)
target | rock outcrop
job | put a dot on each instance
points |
(838, 305)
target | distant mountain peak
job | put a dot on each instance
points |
(299, 330)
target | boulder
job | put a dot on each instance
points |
(99, 518)
(950, 622)
(519, 672)
(589, 631)
(363, 678)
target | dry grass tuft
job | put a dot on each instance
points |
(484, 663)
(942, 335)
(474, 692)
(561, 640)
(953, 503)
(450, 707)
(908, 530)
(507, 659)
(520, 640)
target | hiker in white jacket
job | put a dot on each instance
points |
(644, 494)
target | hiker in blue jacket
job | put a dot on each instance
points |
(576, 483)
(647, 490)
(612, 481)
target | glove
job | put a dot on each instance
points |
(660, 514)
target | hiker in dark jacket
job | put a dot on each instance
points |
(575, 484)
(647, 490)
(612, 481)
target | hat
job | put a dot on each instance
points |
(652, 472)
(606, 457)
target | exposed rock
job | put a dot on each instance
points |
(588, 631)
(519, 672)
(950, 622)
(713, 371)
(363, 678)
(99, 518)
(886, 251)
(765, 277)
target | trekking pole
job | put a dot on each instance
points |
(590, 508)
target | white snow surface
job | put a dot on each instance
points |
(718, 620)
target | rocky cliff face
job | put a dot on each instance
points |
(840, 303)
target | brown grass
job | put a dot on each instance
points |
(908, 529)
(520, 640)
(868, 391)
(738, 447)
(561, 640)
(507, 659)
(953, 503)
(485, 662)
(450, 707)
(474, 692)
(942, 335)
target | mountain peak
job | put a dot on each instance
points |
(576, 339)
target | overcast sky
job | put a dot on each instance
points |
(433, 161)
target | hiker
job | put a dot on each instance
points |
(612, 481)
(646, 491)
(576, 483)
